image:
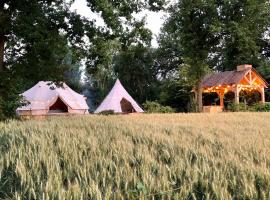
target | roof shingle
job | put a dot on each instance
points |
(223, 78)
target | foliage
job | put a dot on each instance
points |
(220, 34)
(115, 50)
(155, 107)
(134, 67)
(107, 112)
(114, 44)
(36, 40)
(127, 57)
(37, 36)
(115, 13)
(9, 95)
(168, 55)
(202, 36)
(242, 107)
(196, 27)
(100, 69)
(44, 40)
(73, 78)
(139, 190)
(237, 107)
(176, 93)
(2, 114)
(245, 33)
(259, 107)
(175, 156)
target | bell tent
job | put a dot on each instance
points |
(45, 98)
(119, 101)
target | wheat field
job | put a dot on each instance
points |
(144, 156)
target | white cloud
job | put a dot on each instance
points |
(80, 6)
(154, 21)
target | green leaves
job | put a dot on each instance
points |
(210, 35)
(38, 36)
(244, 29)
(134, 67)
(140, 190)
(220, 34)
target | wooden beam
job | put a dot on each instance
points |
(253, 80)
(262, 95)
(247, 77)
(221, 98)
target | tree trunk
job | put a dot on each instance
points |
(199, 99)
(2, 38)
(2, 47)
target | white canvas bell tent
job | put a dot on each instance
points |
(119, 101)
(46, 98)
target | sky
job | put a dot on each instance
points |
(154, 20)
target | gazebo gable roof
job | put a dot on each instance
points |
(247, 76)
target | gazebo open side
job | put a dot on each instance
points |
(244, 78)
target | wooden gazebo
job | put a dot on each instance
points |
(244, 78)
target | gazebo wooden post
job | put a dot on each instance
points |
(262, 95)
(236, 94)
(244, 78)
(221, 98)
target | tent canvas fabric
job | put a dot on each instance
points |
(45, 98)
(119, 101)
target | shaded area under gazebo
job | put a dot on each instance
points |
(244, 79)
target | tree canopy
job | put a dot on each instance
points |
(215, 35)
(45, 40)
(34, 38)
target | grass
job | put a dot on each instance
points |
(170, 156)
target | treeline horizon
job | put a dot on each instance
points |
(45, 40)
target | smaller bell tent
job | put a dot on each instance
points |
(119, 101)
(45, 98)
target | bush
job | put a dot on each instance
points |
(259, 107)
(8, 106)
(155, 107)
(107, 112)
(2, 116)
(10, 100)
(241, 107)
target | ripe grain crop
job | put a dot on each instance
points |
(169, 156)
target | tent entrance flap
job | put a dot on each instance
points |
(58, 107)
(126, 106)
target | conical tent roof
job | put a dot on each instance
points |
(44, 94)
(114, 98)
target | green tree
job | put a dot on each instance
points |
(35, 38)
(244, 35)
(195, 26)
(117, 13)
(168, 55)
(135, 69)
(112, 52)
(214, 35)
(100, 66)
